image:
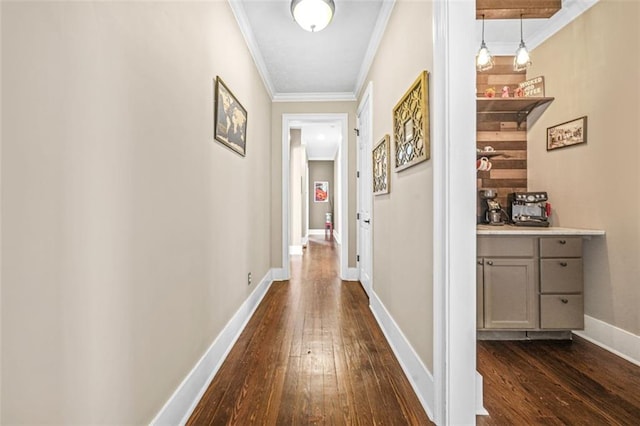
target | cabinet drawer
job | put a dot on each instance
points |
(507, 246)
(562, 311)
(561, 275)
(561, 247)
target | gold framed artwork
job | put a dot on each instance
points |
(381, 167)
(411, 139)
(230, 119)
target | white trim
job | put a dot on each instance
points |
(322, 158)
(305, 240)
(351, 275)
(295, 250)
(316, 231)
(453, 146)
(571, 9)
(616, 340)
(314, 97)
(243, 22)
(279, 274)
(374, 42)
(336, 237)
(343, 119)
(480, 410)
(178, 409)
(417, 373)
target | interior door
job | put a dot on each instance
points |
(365, 256)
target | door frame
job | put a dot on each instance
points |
(366, 97)
(343, 119)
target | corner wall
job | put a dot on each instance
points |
(128, 232)
(591, 67)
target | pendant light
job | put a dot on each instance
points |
(522, 60)
(484, 60)
(313, 15)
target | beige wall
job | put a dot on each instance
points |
(296, 155)
(277, 110)
(591, 67)
(320, 171)
(402, 220)
(131, 231)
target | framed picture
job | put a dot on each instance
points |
(566, 134)
(321, 192)
(381, 170)
(411, 139)
(230, 119)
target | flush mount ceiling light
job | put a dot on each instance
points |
(484, 60)
(313, 15)
(522, 60)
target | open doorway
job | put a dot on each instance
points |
(322, 141)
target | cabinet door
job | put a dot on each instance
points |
(479, 295)
(510, 293)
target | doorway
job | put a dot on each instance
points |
(339, 201)
(365, 208)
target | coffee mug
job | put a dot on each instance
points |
(483, 164)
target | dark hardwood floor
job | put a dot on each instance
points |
(312, 354)
(557, 383)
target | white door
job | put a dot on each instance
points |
(365, 189)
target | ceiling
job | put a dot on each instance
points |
(300, 66)
(332, 64)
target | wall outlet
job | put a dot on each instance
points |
(249, 279)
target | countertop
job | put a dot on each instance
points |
(532, 230)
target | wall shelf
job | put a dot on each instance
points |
(509, 109)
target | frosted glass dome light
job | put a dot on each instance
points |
(313, 15)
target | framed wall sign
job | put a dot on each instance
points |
(566, 134)
(230, 119)
(411, 140)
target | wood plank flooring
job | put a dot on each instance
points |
(312, 354)
(557, 383)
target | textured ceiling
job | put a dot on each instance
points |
(332, 64)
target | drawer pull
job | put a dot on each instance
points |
(563, 264)
(562, 242)
(565, 301)
(489, 262)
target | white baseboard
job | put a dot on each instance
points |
(611, 338)
(336, 236)
(352, 275)
(278, 274)
(295, 250)
(316, 232)
(178, 408)
(305, 240)
(419, 376)
(480, 410)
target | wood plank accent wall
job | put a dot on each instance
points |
(509, 171)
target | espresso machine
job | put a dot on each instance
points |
(528, 208)
(491, 211)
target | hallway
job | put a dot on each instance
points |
(311, 354)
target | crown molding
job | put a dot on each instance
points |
(241, 17)
(571, 9)
(314, 97)
(374, 42)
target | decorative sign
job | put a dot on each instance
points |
(533, 88)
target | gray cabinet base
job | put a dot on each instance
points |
(523, 335)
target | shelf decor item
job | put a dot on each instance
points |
(566, 134)
(411, 140)
(381, 167)
(230, 119)
(320, 192)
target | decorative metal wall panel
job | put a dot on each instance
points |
(411, 137)
(381, 167)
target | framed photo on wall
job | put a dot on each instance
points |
(230, 119)
(567, 134)
(321, 192)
